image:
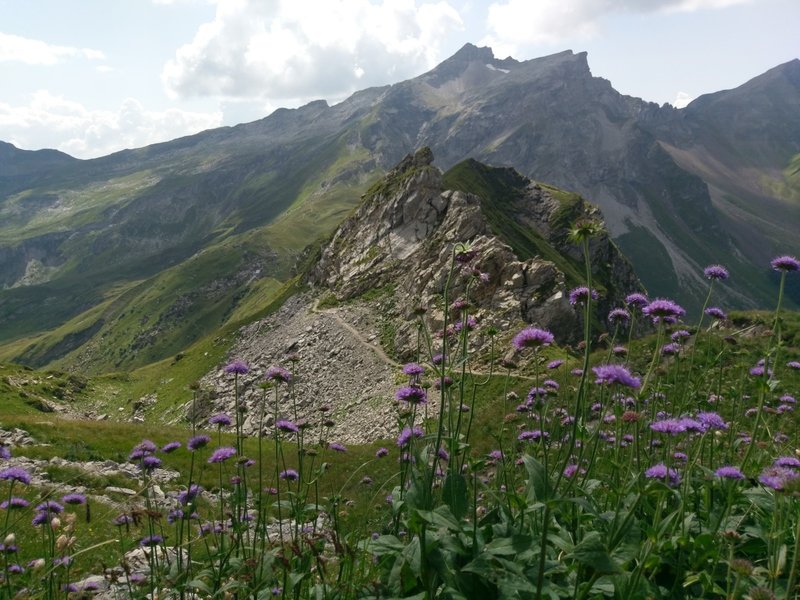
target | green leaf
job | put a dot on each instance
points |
(538, 482)
(454, 494)
(441, 517)
(508, 546)
(592, 552)
(413, 556)
(385, 544)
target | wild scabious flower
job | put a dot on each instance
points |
(278, 375)
(381, 452)
(149, 463)
(793, 364)
(616, 375)
(636, 300)
(445, 382)
(289, 475)
(14, 502)
(151, 540)
(188, 496)
(286, 426)
(711, 420)
(680, 335)
(220, 420)
(464, 254)
(40, 519)
(554, 364)
(74, 499)
(170, 447)
(50, 506)
(412, 394)
(580, 295)
(337, 447)
(729, 472)
(716, 313)
(788, 462)
(669, 426)
(716, 272)
(533, 436)
(237, 367)
(667, 475)
(16, 474)
(197, 442)
(413, 369)
(122, 520)
(776, 477)
(785, 263)
(222, 454)
(665, 310)
(469, 324)
(532, 337)
(670, 349)
(760, 369)
(619, 351)
(619, 316)
(5, 452)
(405, 436)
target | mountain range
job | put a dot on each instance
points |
(123, 260)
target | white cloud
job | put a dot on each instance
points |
(309, 49)
(515, 23)
(14, 48)
(682, 99)
(55, 122)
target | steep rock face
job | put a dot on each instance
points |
(404, 234)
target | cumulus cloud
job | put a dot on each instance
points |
(682, 99)
(52, 121)
(515, 23)
(305, 48)
(14, 48)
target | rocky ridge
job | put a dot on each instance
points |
(393, 255)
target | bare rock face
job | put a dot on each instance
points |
(346, 339)
(405, 232)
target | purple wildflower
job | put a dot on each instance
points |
(616, 374)
(535, 435)
(716, 272)
(221, 420)
(150, 462)
(170, 447)
(405, 436)
(663, 309)
(636, 300)
(413, 369)
(14, 502)
(729, 472)
(5, 452)
(287, 426)
(670, 349)
(619, 351)
(15, 569)
(279, 375)
(777, 477)
(670, 426)
(619, 316)
(660, 471)
(785, 263)
(793, 364)
(337, 447)
(175, 515)
(237, 367)
(16, 474)
(443, 454)
(787, 461)
(74, 499)
(680, 335)
(412, 394)
(151, 540)
(122, 519)
(532, 337)
(554, 364)
(197, 442)
(470, 324)
(40, 519)
(711, 420)
(289, 474)
(187, 496)
(50, 506)
(381, 452)
(716, 313)
(222, 454)
(580, 295)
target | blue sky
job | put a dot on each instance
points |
(90, 77)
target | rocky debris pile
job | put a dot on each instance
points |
(15, 437)
(335, 366)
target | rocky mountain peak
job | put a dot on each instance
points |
(404, 233)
